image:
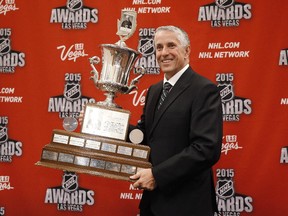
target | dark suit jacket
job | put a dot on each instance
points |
(185, 137)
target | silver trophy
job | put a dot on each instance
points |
(101, 148)
(117, 62)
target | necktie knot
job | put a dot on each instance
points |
(167, 86)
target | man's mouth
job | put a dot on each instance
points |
(166, 60)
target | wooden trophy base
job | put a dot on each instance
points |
(90, 154)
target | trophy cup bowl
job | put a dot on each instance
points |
(117, 62)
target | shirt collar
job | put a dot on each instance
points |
(175, 78)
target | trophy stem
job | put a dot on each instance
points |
(109, 100)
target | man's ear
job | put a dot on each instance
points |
(187, 50)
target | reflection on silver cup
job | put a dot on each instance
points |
(116, 66)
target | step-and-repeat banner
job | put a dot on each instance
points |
(45, 46)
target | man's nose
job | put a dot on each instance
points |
(165, 51)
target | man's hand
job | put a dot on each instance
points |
(145, 180)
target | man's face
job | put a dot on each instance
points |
(170, 53)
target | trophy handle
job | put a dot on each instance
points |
(94, 60)
(135, 80)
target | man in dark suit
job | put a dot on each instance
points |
(184, 134)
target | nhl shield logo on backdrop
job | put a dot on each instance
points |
(146, 46)
(226, 92)
(224, 3)
(70, 182)
(4, 46)
(225, 188)
(74, 5)
(72, 91)
(3, 134)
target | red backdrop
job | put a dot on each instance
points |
(240, 46)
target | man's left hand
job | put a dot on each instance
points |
(145, 180)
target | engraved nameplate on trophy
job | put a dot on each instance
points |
(105, 121)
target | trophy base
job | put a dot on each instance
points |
(104, 157)
(81, 170)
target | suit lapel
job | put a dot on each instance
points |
(180, 86)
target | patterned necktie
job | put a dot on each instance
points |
(166, 88)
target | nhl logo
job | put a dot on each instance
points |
(74, 5)
(70, 182)
(4, 46)
(224, 3)
(3, 134)
(225, 189)
(146, 46)
(226, 92)
(72, 91)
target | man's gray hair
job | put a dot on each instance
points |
(181, 34)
